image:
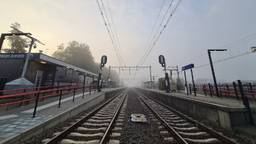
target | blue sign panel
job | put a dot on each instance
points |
(33, 56)
(189, 66)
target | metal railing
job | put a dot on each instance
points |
(20, 90)
(245, 92)
(228, 90)
(34, 96)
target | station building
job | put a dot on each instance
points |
(52, 71)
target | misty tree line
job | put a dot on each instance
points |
(79, 54)
(74, 53)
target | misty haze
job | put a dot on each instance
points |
(127, 72)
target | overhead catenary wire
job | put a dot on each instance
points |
(158, 35)
(112, 29)
(106, 20)
(162, 20)
(153, 30)
(159, 30)
(116, 36)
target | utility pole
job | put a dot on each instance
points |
(186, 84)
(150, 74)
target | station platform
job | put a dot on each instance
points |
(222, 112)
(15, 124)
(214, 100)
(222, 101)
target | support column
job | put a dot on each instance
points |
(150, 74)
(186, 83)
(193, 82)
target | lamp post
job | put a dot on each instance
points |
(27, 59)
(3, 35)
(33, 40)
(212, 69)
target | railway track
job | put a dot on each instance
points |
(179, 128)
(101, 125)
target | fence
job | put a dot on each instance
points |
(229, 90)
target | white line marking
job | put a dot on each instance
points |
(8, 116)
(53, 103)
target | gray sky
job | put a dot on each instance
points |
(196, 26)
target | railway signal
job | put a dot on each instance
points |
(102, 63)
(167, 80)
(162, 61)
(103, 60)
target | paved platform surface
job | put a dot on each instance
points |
(16, 121)
(229, 102)
(221, 101)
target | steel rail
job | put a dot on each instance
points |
(211, 131)
(175, 134)
(64, 133)
(110, 126)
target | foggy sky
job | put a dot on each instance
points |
(196, 26)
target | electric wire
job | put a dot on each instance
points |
(111, 30)
(105, 18)
(156, 30)
(160, 33)
(116, 36)
(230, 57)
(224, 59)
